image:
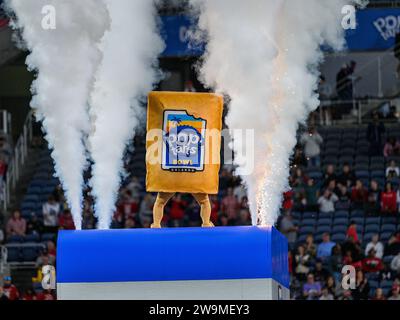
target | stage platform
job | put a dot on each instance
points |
(221, 263)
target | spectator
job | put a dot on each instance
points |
(325, 247)
(393, 245)
(311, 289)
(359, 195)
(34, 225)
(347, 177)
(9, 289)
(326, 295)
(362, 289)
(371, 263)
(310, 247)
(215, 208)
(376, 245)
(302, 260)
(45, 295)
(329, 175)
(177, 209)
(66, 221)
(395, 293)
(392, 170)
(344, 197)
(352, 231)
(288, 228)
(244, 218)
(312, 142)
(16, 225)
(146, 209)
(391, 148)
(375, 131)
(327, 202)
(311, 195)
(388, 200)
(335, 262)
(395, 264)
(51, 210)
(3, 296)
(29, 295)
(230, 205)
(299, 159)
(372, 206)
(320, 273)
(379, 295)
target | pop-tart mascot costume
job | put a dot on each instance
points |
(183, 146)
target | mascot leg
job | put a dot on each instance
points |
(158, 209)
(205, 208)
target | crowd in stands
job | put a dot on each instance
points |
(133, 210)
(335, 216)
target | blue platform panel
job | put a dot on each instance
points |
(172, 254)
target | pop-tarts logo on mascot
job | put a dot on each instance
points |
(183, 142)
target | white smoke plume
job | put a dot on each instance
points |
(265, 54)
(127, 73)
(65, 59)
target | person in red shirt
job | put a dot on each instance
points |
(177, 211)
(359, 194)
(288, 200)
(371, 263)
(352, 231)
(388, 200)
(214, 209)
(65, 221)
(29, 295)
(9, 289)
(230, 205)
(45, 295)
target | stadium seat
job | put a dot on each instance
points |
(324, 222)
(310, 215)
(342, 214)
(371, 228)
(338, 237)
(388, 228)
(15, 239)
(13, 254)
(373, 220)
(341, 222)
(339, 229)
(29, 253)
(385, 236)
(32, 238)
(48, 237)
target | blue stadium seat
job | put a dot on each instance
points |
(341, 221)
(362, 174)
(388, 228)
(368, 236)
(32, 238)
(389, 220)
(48, 237)
(306, 230)
(377, 174)
(373, 220)
(338, 237)
(357, 220)
(342, 214)
(322, 229)
(386, 284)
(310, 215)
(324, 222)
(29, 253)
(371, 228)
(385, 236)
(15, 239)
(13, 254)
(339, 229)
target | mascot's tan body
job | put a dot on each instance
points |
(183, 149)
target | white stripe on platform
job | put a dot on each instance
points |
(244, 289)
